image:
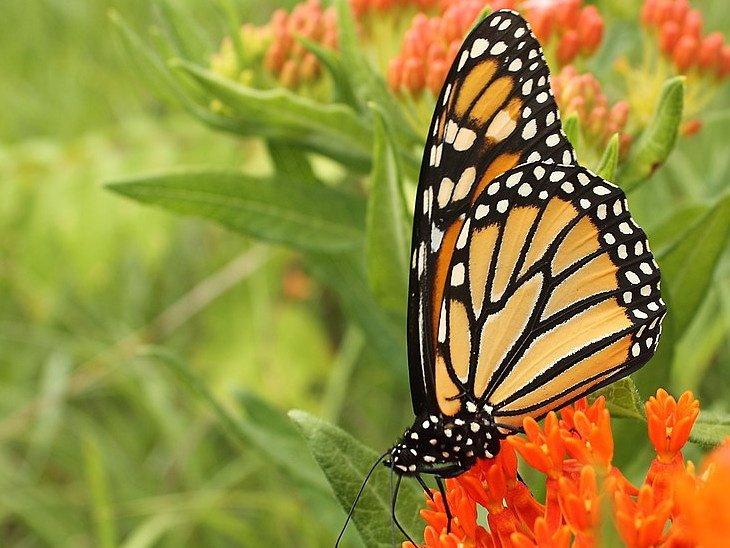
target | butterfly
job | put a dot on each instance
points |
(530, 283)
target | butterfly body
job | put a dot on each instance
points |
(446, 445)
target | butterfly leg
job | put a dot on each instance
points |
(426, 489)
(393, 514)
(442, 490)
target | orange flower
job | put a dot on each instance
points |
(486, 483)
(680, 37)
(544, 536)
(464, 528)
(674, 508)
(589, 439)
(702, 501)
(361, 7)
(576, 29)
(641, 521)
(543, 449)
(582, 95)
(670, 422)
(430, 45)
(581, 505)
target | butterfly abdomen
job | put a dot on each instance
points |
(446, 445)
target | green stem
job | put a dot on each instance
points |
(339, 379)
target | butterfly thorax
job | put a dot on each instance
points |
(446, 445)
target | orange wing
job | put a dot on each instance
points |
(553, 292)
(495, 111)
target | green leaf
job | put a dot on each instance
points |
(274, 434)
(345, 273)
(367, 82)
(232, 18)
(183, 32)
(290, 162)
(697, 352)
(608, 164)
(345, 463)
(101, 504)
(165, 85)
(265, 428)
(303, 216)
(148, 63)
(387, 241)
(671, 231)
(334, 130)
(571, 128)
(332, 61)
(623, 399)
(658, 138)
(711, 428)
(688, 266)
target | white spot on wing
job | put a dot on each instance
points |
(479, 46)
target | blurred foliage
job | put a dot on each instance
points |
(147, 359)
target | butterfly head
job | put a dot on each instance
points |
(445, 445)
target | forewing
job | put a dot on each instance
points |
(553, 292)
(496, 111)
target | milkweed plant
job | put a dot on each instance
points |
(340, 95)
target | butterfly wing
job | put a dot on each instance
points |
(495, 111)
(553, 292)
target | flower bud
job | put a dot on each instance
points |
(567, 12)
(710, 50)
(668, 36)
(693, 24)
(568, 47)
(691, 127)
(648, 12)
(679, 11)
(590, 29)
(685, 52)
(724, 69)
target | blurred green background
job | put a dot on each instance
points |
(101, 299)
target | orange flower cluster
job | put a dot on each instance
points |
(674, 507)
(361, 7)
(575, 29)
(680, 35)
(286, 58)
(581, 94)
(431, 44)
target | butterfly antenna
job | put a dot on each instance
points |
(392, 511)
(357, 497)
(442, 490)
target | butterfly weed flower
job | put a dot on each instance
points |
(669, 422)
(580, 502)
(673, 507)
(273, 55)
(701, 515)
(641, 520)
(568, 29)
(543, 536)
(680, 45)
(581, 94)
(365, 7)
(430, 45)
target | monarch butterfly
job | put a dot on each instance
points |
(530, 284)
